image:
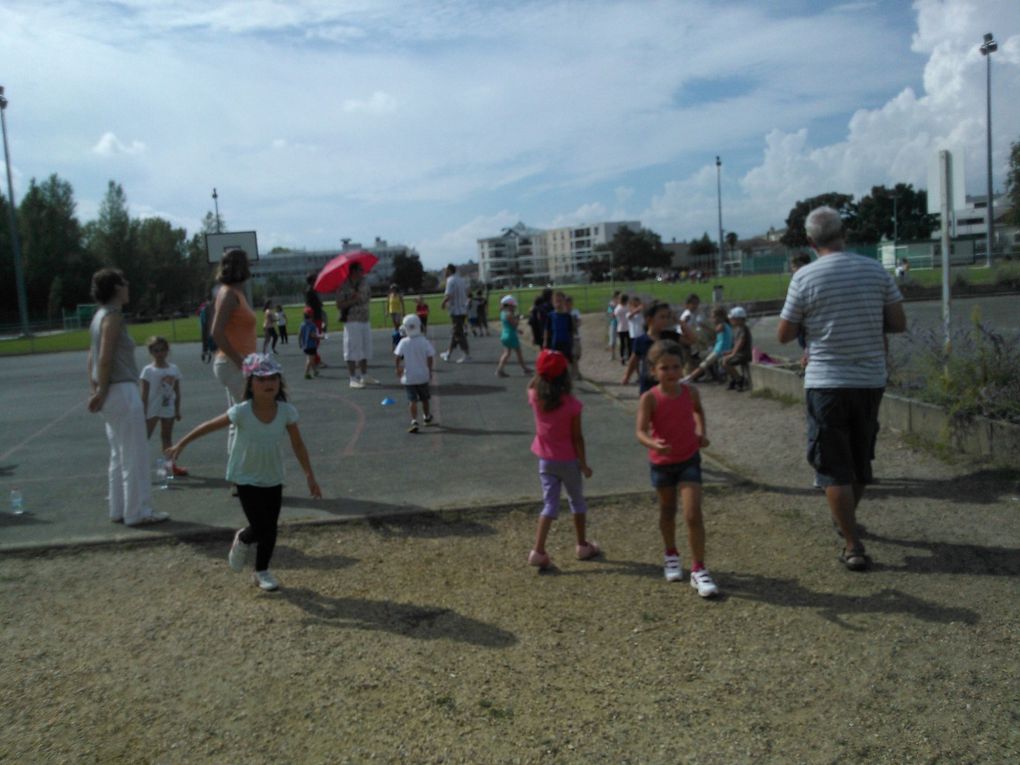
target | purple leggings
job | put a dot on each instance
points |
(556, 473)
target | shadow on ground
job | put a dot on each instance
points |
(419, 622)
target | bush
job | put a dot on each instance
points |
(1007, 275)
(980, 375)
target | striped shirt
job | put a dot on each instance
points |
(839, 300)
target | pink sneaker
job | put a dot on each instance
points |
(541, 560)
(588, 550)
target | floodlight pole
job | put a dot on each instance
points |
(987, 49)
(216, 204)
(718, 191)
(19, 274)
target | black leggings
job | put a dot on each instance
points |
(625, 345)
(261, 505)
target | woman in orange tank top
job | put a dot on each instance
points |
(233, 327)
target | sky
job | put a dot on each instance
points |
(435, 123)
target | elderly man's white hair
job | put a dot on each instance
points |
(823, 226)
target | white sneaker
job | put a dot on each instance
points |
(238, 555)
(265, 581)
(671, 569)
(413, 427)
(702, 582)
(445, 355)
(356, 382)
(464, 358)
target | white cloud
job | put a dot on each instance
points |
(109, 145)
(378, 103)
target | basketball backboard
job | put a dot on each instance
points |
(217, 244)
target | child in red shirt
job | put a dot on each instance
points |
(671, 423)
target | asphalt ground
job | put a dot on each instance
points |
(56, 452)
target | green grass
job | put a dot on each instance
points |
(588, 298)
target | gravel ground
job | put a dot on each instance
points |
(427, 639)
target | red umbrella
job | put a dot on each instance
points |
(335, 273)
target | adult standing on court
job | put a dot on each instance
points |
(845, 304)
(455, 300)
(313, 301)
(113, 392)
(353, 299)
(233, 328)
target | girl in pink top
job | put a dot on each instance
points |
(559, 445)
(671, 423)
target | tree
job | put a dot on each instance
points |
(1013, 184)
(842, 203)
(703, 246)
(51, 247)
(634, 251)
(875, 215)
(110, 238)
(408, 272)
(161, 254)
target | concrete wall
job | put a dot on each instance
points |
(980, 436)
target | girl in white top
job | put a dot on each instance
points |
(255, 463)
(161, 394)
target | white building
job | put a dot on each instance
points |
(521, 253)
(297, 264)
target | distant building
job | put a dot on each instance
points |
(295, 265)
(522, 253)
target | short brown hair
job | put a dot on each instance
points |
(105, 282)
(664, 348)
(234, 267)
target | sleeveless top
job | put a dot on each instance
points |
(240, 326)
(673, 422)
(122, 365)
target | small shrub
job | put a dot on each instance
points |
(1007, 275)
(980, 375)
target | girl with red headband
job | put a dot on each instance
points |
(559, 446)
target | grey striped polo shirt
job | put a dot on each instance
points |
(840, 299)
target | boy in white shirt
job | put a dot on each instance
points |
(414, 355)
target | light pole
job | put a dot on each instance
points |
(718, 191)
(216, 204)
(987, 49)
(19, 276)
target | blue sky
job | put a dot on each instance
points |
(436, 123)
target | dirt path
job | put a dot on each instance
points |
(427, 639)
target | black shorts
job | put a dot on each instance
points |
(418, 392)
(842, 427)
(311, 351)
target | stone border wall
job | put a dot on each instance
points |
(979, 437)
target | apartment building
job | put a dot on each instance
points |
(521, 253)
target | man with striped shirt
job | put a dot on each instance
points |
(845, 303)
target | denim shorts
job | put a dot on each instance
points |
(668, 476)
(418, 392)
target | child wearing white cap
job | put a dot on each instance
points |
(414, 357)
(508, 320)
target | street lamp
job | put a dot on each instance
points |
(987, 49)
(216, 204)
(718, 190)
(19, 276)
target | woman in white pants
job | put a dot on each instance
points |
(113, 388)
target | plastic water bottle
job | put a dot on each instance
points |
(161, 473)
(387, 401)
(17, 502)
